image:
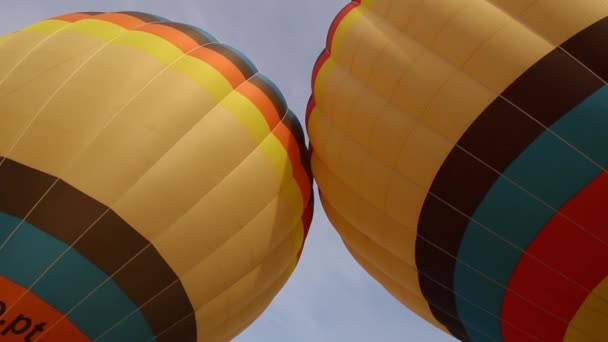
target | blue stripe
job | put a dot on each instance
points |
(553, 172)
(30, 251)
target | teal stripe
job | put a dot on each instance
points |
(553, 172)
(106, 307)
(123, 332)
(30, 251)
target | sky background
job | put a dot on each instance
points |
(329, 297)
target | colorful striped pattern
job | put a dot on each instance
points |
(491, 169)
(119, 254)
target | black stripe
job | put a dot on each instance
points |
(180, 332)
(232, 57)
(270, 92)
(589, 47)
(291, 122)
(192, 32)
(145, 17)
(546, 91)
(65, 213)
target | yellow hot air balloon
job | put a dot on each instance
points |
(460, 150)
(154, 185)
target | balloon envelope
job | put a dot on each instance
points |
(155, 186)
(460, 151)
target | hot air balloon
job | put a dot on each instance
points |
(460, 151)
(155, 185)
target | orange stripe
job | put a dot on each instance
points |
(181, 40)
(264, 104)
(121, 19)
(221, 64)
(283, 134)
(37, 312)
(292, 147)
(73, 17)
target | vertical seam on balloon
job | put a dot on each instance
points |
(409, 19)
(114, 115)
(27, 54)
(460, 68)
(582, 228)
(149, 243)
(413, 266)
(270, 283)
(417, 120)
(278, 282)
(50, 266)
(387, 274)
(444, 252)
(471, 219)
(33, 119)
(287, 236)
(109, 208)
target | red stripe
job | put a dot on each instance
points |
(16, 301)
(289, 142)
(309, 108)
(336, 22)
(579, 257)
(281, 132)
(306, 221)
(330, 38)
(323, 57)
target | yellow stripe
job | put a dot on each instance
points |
(165, 52)
(248, 114)
(343, 29)
(198, 178)
(591, 319)
(274, 151)
(5, 37)
(324, 71)
(205, 75)
(99, 29)
(314, 116)
(417, 66)
(153, 45)
(47, 26)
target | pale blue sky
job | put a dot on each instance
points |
(329, 297)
